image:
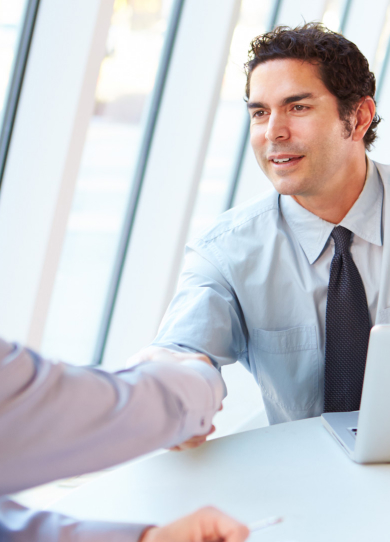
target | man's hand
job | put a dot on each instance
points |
(207, 524)
(156, 353)
(193, 442)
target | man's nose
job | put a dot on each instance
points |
(277, 129)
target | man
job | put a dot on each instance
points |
(57, 420)
(255, 285)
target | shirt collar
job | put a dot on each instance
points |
(364, 218)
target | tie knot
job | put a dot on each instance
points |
(342, 239)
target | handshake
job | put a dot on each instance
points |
(159, 354)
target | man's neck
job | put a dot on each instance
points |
(333, 205)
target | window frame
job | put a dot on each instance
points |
(16, 80)
(47, 139)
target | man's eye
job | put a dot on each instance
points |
(259, 113)
(299, 107)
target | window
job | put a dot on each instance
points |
(230, 120)
(11, 19)
(17, 19)
(126, 80)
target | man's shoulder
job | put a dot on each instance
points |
(258, 209)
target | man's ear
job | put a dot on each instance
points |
(364, 114)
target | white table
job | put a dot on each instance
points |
(295, 470)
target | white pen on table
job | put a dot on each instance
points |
(264, 523)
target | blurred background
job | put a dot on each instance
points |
(157, 147)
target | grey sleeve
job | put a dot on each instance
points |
(205, 315)
(19, 524)
(57, 420)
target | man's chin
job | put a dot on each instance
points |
(286, 187)
(287, 183)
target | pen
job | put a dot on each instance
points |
(264, 523)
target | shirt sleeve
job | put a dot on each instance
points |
(19, 524)
(57, 420)
(205, 315)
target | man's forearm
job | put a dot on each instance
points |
(19, 524)
(57, 420)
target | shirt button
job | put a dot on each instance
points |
(202, 422)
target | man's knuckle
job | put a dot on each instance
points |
(210, 510)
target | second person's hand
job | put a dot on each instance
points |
(206, 525)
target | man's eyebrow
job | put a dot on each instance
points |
(286, 101)
(297, 98)
(256, 105)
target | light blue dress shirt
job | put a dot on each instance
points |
(254, 289)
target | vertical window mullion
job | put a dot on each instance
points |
(138, 181)
(15, 84)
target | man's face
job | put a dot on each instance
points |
(296, 133)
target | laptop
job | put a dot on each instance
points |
(365, 434)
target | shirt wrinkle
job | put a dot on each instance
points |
(270, 207)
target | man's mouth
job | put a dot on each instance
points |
(286, 159)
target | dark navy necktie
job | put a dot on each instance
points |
(347, 329)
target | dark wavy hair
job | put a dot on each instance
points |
(344, 70)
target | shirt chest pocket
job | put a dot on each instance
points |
(287, 366)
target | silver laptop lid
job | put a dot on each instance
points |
(341, 426)
(373, 437)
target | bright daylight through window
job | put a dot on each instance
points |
(126, 80)
(11, 20)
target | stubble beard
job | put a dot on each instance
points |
(273, 176)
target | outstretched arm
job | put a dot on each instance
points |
(204, 317)
(57, 420)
